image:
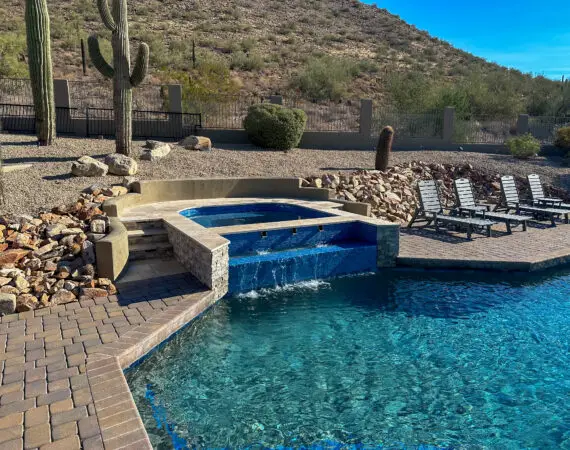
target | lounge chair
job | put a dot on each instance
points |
(538, 197)
(430, 210)
(511, 201)
(466, 204)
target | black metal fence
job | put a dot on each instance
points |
(100, 122)
(146, 124)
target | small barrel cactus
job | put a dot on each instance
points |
(123, 81)
(384, 148)
(40, 67)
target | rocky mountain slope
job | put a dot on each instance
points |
(265, 44)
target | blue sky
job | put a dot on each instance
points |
(529, 36)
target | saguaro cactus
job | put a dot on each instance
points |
(384, 148)
(40, 66)
(123, 81)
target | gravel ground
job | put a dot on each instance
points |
(49, 183)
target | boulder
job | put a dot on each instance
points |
(129, 181)
(7, 303)
(26, 302)
(98, 226)
(89, 167)
(62, 296)
(121, 164)
(196, 143)
(12, 256)
(155, 151)
(88, 252)
(317, 183)
(93, 292)
(117, 191)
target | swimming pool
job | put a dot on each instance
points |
(229, 215)
(398, 358)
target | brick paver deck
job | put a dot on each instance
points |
(538, 248)
(61, 368)
(61, 379)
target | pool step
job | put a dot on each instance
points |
(148, 239)
(143, 224)
(150, 250)
(292, 266)
(147, 236)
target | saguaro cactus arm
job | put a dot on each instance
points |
(106, 15)
(98, 59)
(140, 68)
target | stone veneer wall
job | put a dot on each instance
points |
(209, 265)
(388, 242)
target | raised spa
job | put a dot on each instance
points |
(230, 215)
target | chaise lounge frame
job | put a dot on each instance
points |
(431, 211)
(538, 196)
(466, 204)
(510, 200)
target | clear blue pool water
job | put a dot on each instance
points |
(230, 215)
(399, 359)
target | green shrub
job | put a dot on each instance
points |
(325, 78)
(246, 61)
(563, 138)
(12, 51)
(275, 126)
(210, 82)
(523, 147)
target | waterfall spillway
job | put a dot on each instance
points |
(291, 266)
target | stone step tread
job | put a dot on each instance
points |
(149, 247)
(139, 224)
(147, 232)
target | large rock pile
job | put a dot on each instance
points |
(393, 194)
(50, 259)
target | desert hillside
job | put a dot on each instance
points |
(324, 50)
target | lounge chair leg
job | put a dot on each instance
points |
(552, 221)
(469, 231)
(566, 221)
(414, 217)
(436, 226)
(524, 225)
(509, 227)
(488, 230)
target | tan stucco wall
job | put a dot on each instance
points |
(113, 250)
(198, 188)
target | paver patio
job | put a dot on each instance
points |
(61, 379)
(538, 248)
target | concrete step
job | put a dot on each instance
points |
(143, 224)
(147, 236)
(150, 250)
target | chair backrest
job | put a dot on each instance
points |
(509, 190)
(464, 192)
(536, 189)
(429, 196)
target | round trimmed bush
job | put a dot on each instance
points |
(523, 147)
(562, 137)
(275, 126)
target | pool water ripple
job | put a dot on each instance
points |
(397, 359)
